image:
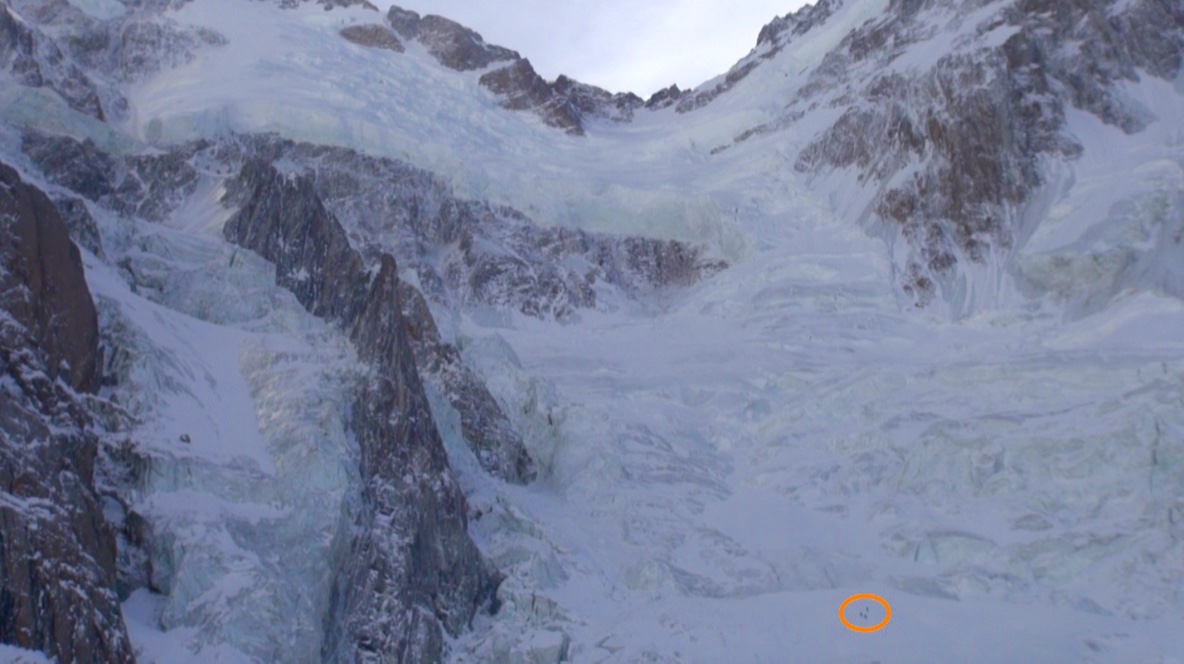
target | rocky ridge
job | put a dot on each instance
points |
(564, 104)
(57, 551)
(463, 253)
(972, 127)
(413, 572)
(36, 61)
(469, 253)
(498, 445)
(773, 38)
(952, 150)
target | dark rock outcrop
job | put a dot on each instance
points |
(783, 29)
(589, 101)
(484, 424)
(469, 253)
(664, 98)
(45, 288)
(974, 126)
(149, 186)
(36, 61)
(137, 49)
(79, 166)
(57, 553)
(465, 253)
(564, 104)
(374, 36)
(412, 572)
(522, 89)
(83, 228)
(451, 43)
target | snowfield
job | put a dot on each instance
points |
(242, 399)
(718, 478)
(720, 467)
(724, 476)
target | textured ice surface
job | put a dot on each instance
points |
(662, 174)
(242, 399)
(715, 479)
(719, 479)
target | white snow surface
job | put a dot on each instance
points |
(14, 655)
(721, 478)
(241, 398)
(716, 478)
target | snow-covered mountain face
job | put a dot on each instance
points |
(373, 345)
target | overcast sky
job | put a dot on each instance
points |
(619, 45)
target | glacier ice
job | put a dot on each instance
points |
(252, 475)
(720, 469)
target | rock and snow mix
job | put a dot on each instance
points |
(891, 307)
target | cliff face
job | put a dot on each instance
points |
(148, 186)
(45, 289)
(939, 127)
(494, 439)
(412, 572)
(57, 554)
(37, 62)
(469, 253)
(564, 104)
(953, 136)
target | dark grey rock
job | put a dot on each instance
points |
(979, 122)
(76, 165)
(589, 101)
(36, 61)
(374, 36)
(451, 43)
(565, 104)
(469, 253)
(523, 89)
(148, 186)
(664, 98)
(45, 288)
(57, 553)
(412, 573)
(84, 230)
(465, 253)
(521, 86)
(495, 441)
(152, 186)
(141, 48)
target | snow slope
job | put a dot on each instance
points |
(722, 477)
(719, 478)
(716, 477)
(683, 175)
(242, 399)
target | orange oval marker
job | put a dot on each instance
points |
(865, 630)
